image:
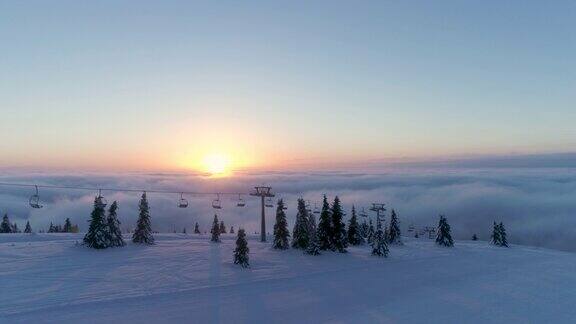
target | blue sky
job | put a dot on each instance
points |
(150, 84)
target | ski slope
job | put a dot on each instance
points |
(46, 278)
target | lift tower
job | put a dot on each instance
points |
(263, 193)
(378, 208)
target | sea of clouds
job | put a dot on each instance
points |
(537, 205)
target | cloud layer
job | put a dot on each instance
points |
(538, 206)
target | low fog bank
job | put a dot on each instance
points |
(538, 206)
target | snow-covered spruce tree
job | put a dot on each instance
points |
(28, 228)
(143, 232)
(242, 250)
(313, 246)
(495, 237)
(222, 228)
(311, 225)
(386, 233)
(354, 236)
(444, 237)
(324, 231)
(364, 228)
(15, 228)
(114, 231)
(338, 239)
(67, 226)
(184, 230)
(231, 230)
(215, 231)
(474, 237)
(379, 246)
(371, 231)
(196, 228)
(503, 240)
(300, 232)
(394, 235)
(281, 233)
(96, 237)
(5, 227)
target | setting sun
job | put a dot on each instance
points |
(216, 164)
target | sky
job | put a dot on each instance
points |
(168, 85)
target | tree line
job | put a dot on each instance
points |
(7, 227)
(330, 234)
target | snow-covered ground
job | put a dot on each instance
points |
(187, 279)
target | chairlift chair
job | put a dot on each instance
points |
(363, 213)
(269, 203)
(308, 208)
(100, 200)
(316, 209)
(216, 204)
(241, 201)
(34, 200)
(183, 202)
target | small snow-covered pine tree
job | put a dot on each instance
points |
(370, 234)
(338, 239)
(231, 230)
(114, 231)
(364, 228)
(215, 231)
(143, 232)
(474, 237)
(394, 235)
(281, 234)
(96, 237)
(311, 225)
(313, 247)
(5, 226)
(28, 228)
(15, 228)
(324, 231)
(386, 234)
(503, 239)
(196, 228)
(241, 252)
(495, 237)
(222, 228)
(300, 232)
(379, 246)
(184, 230)
(354, 235)
(444, 237)
(67, 226)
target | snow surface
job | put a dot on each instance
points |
(46, 278)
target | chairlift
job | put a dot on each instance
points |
(183, 202)
(363, 213)
(269, 203)
(100, 200)
(316, 209)
(308, 209)
(411, 228)
(216, 204)
(34, 200)
(241, 201)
